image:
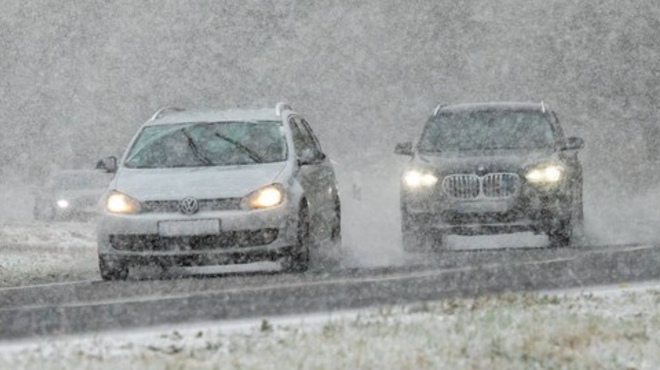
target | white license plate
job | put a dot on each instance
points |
(188, 228)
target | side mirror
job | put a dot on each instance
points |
(108, 164)
(404, 148)
(573, 143)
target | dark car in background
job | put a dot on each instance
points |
(71, 194)
(491, 168)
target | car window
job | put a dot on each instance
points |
(487, 130)
(208, 144)
(303, 141)
(315, 141)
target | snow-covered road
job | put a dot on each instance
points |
(39, 253)
(550, 330)
(93, 306)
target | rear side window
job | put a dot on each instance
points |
(303, 139)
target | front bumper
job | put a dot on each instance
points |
(244, 236)
(534, 208)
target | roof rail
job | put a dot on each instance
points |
(437, 109)
(281, 107)
(165, 110)
(543, 106)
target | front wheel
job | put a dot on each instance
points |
(335, 234)
(299, 259)
(578, 217)
(561, 236)
(112, 269)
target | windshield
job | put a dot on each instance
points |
(487, 130)
(208, 144)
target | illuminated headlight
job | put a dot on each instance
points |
(63, 203)
(416, 179)
(266, 197)
(121, 203)
(547, 174)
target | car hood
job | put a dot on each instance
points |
(485, 161)
(201, 183)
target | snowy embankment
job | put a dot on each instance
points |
(605, 330)
(33, 253)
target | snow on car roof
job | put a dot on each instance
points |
(217, 116)
(492, 106)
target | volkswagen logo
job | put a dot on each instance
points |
(189, 206)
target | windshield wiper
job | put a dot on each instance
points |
(195, 150)
(250, 153)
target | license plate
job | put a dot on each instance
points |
(188, 228)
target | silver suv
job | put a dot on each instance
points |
(488, 169)
(218, 187)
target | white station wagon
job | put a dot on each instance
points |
(199, 188)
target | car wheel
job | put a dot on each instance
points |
(299, 259)
(335, 235)
(578, 216)
(112, 269)
(561, 236)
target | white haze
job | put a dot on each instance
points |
(79, 77)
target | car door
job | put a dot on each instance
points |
(316, 177)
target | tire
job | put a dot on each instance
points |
(113, 269)
(562, 236)
(335, 234)
(578, 216)
(418, 240)
(299, 259)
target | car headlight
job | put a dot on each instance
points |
(63, 203)
(548, 174)
(416, 179)
(266, 197)
(121, 203)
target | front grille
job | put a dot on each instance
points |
(469, 186)
(499, 185)
(172, 206)
(462, 186)
(228, 239)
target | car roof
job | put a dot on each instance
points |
(230, 115)
(514, 106)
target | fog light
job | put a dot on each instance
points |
(63, 203)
